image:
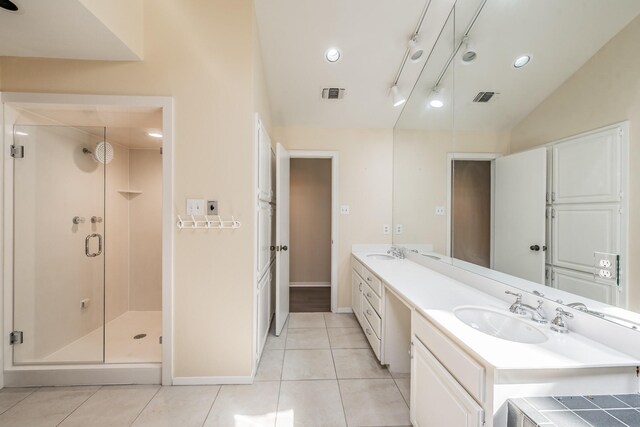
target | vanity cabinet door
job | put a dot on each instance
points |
(356, 295)
(436, 397)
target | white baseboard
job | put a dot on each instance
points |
(212, 380)
(341, 310)
(309, 284)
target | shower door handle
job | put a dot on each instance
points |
(86, 245)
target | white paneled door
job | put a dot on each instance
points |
(520, 203)
(282, 236)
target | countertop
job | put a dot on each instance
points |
(435, 296)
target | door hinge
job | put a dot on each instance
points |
(17, 151)
(16, 337)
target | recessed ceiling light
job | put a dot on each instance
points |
(19, 132)
(332, 54)
(521, 61)
(436, 103)
(155, 134)
(8, 5)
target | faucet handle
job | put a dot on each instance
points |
(540, 302)
(515, 294)
(564, 313)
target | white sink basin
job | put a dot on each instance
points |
(500, 325)
(380, 256)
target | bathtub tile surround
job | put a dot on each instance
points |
(569, 411)
(340, 385)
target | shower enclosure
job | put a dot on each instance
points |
(71, 239)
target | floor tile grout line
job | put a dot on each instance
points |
(344, 411)
(82, 403)
(145, 406)
(29, 394)
(395, 380)
(213, 402)
(275, 421)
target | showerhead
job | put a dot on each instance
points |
(103, 152)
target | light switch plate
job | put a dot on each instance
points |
(439, 210)
(195, 206)
(344, 210)
(212, 207)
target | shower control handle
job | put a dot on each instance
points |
(78, 220)
(96, 219)
(86, 245)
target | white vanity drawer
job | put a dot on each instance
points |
(373, 318)
(373, 282)
(359, 268)
(373, 298)
(469, 373)
(371, 337)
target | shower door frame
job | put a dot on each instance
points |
(147, 373)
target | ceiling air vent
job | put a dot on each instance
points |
(332, 93)
(483, 96)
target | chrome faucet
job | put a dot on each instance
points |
(398, 252)
(521, 309)
(582, 307)
(558, 324)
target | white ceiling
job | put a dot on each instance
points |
(373, 38)
(126, 126)
(58, 29)
(560, 36)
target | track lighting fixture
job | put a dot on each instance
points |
(398, 98)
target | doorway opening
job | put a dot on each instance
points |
(88, 239)
(470, 219)
(310, 235)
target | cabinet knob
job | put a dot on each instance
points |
(534, 247)
(285, 248)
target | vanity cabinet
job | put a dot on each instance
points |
(437, 399)
(356, 295)
(447, 384)
(366, 294)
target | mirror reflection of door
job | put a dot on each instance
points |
(471, 211)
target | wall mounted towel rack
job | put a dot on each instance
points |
(206, 222)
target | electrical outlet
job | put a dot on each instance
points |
(344, 210)
(399, 228)
(439, 210)
(605, 263)
(212, 207)
(195, 206)
(605, 274)
(386, 229)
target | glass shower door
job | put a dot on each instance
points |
(58, 238)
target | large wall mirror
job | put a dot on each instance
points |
(514, 155)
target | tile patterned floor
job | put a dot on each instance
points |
(319, 372)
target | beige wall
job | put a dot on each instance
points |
(124, 18)
(604, 91)
(310, 221)
(420, 159)
(200, 52)
(145, 218)
(365, 162)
